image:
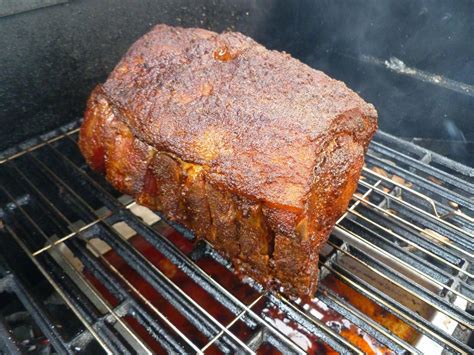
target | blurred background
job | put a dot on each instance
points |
(414, 60)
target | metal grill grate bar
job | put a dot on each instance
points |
(89, 326)
(226, 330)
(89, 259)
(412, 244)
(387, 216)
(414, 227)
(143, 261)
(402, 262)
(430, 186)
(11, 284)
(422, 294)
(105, 221)
(342, 340)
(327, 296)
(419, 210)
(401, 311)
(396, 156)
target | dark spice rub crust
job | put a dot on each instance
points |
(249, 148)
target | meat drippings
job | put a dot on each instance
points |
(223, 54)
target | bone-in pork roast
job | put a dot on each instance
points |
(248, 148)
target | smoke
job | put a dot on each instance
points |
(414, 60)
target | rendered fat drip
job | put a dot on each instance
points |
(223, 54)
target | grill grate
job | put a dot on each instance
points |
(396, 273)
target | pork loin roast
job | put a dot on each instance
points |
(248, 148)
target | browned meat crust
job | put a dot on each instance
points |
(249, 148)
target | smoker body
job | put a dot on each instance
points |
(83, 268)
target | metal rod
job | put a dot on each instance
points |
(404, 221)
(320, 324)
(404, 187)
(416, 209)
(39, 145)
(87, 254)
(90, 287)
(413, 244)
(42, 196)
(328, 293)
(59, 290)
(58, 180)
(76, 232)
(415, 294)
(208, 278)
(352, 210)
(410, 318)
(143, 298)
(402, 145)
(187, 297)
(428, 169)
(239, 316)
(431, 186)
(405, 264)
(57, 211)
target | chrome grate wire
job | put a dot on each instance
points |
(409, 225)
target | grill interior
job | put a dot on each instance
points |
(94, 272)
